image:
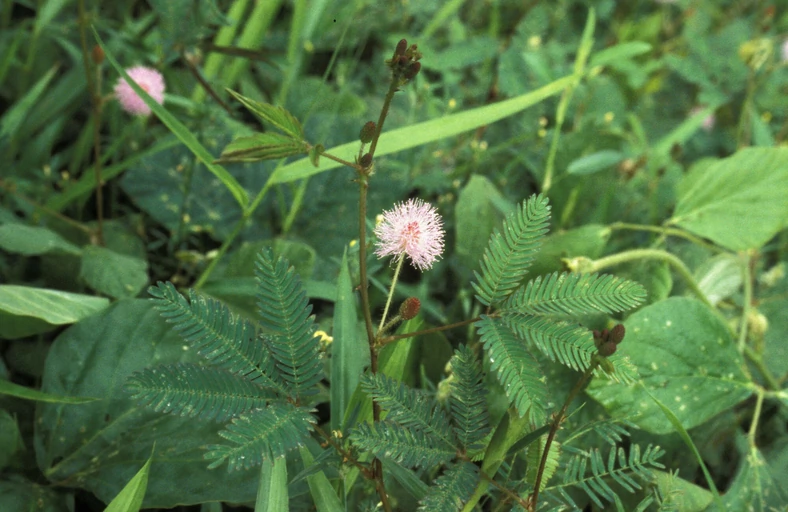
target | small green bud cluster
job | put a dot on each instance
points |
(607, 341)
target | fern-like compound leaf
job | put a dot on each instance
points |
(517, 369)
(196, 391)
(285, 317)
(224, 340)
(534, 459)
(569, 344)
(511, 251)
(409, 447)
(452, 489)
(617, 468)
(263, 434)
(408, 407)
(563, 293)
(467, 400)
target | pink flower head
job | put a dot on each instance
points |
(147, 78)
(708, 121)
(784, 51)
(412, 229)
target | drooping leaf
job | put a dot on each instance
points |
(264, 434)
(261, 146)
(276, 116)
(409, 447)
(511, 251)
(452, 489)
(569, 344)
(223, 339)
(517, 369)
(408, 407)
(467, 401)
(197, 391)
(288, 327)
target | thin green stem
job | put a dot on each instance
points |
(653, 254)
(340, 160)
(757, 360)
(384, 111)
(666, 231)
(747, 302)
(391, 293)
(756, 415)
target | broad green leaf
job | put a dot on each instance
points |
(619, 52)
(595, 162)
(757, 487)
(33, 241)
(130, 498)
(738, 202)
(323, 493)
(686, 358)
(272, 494)
(113, 274)
(25, 310)
(419, 134)
(21, 495)
(348, 350)
(687, 496)
(261, 146)
(180, 131)
(10, 438)
(720, 277)
(276, 116)
(11, 389)
(97, 446)
(480, 209)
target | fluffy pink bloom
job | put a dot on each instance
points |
(784, 51)
(147, 78)
(412, 229)
(708, 121)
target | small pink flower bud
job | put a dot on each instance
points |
(617, 334)
(409, 308)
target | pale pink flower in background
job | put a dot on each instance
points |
(413, 229)
(708, 121)
(147, 78)
(784, 51)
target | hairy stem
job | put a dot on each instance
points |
(534, 498)
(391, 293)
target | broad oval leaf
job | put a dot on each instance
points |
(33, 240)
(97, 446)
(738, 202)
(686, 358)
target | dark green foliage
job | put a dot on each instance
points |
(510, 252)
(196, 391)
(576, 294)
(452, 489)
(595, 484)
(410, 408)
(517, 369)
(569, 344)
(288, 326)
(262, 434)
(224, 340)
(409, 446)
(468, 399)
